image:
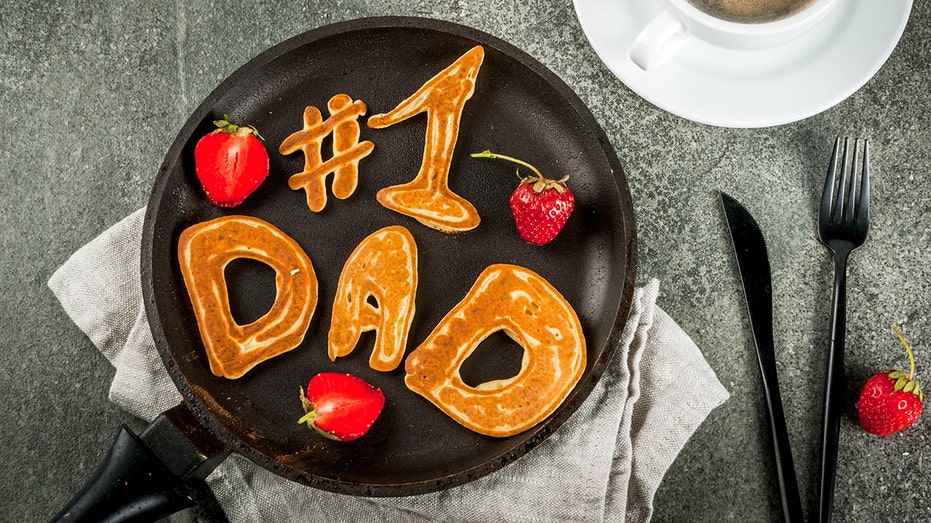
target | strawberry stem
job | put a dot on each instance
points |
(911, 358)
(495, 156)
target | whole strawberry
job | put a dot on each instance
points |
(540, 206)
(340, 407)
(231, 162)
(891, 400)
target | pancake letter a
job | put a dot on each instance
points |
(376, 291)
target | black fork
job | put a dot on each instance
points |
(843, 223)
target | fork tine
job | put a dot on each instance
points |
(827, 197)
(851, 204)
(863, 205)
(838, 213)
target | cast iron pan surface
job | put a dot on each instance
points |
(519, 108)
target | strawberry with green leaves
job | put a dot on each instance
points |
(340, 407)
(230, 162)
(891, 400)
(540, 206)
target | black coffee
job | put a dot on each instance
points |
(751, 11)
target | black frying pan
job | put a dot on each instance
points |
(520, 109)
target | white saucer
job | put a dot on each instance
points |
(717, 86)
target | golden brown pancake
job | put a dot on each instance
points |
(428, 198)
(204, 250)
(532, 312)
(347, 151)
(382, 267)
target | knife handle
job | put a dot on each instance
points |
(833, 389)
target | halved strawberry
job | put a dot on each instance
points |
(231, 162)
(341, 407)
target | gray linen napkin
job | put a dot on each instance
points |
(604, 464)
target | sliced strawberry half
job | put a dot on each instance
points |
(339, 406)
(231, 162)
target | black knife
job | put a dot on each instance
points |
(753, 262)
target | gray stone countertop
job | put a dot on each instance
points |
(92, 94)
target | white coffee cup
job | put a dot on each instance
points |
(680, 21)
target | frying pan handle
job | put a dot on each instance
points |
(147, 477)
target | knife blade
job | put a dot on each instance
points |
(753, 264)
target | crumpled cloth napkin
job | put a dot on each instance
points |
(604, 464)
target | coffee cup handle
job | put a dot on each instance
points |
(658, 41)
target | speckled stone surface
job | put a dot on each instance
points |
(92, 93)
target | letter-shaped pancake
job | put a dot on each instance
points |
(428, 198)
(204, 250)
(383, 267)
(532, 312)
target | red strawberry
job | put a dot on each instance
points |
(540, 206)
(231, 162)
(341, 407)
(891, 400)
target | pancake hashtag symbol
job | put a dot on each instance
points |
(347, 150)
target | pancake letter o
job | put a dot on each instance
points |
(383, 267)
(204, 250)
(532, 312)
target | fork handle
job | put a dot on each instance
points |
(834, 388)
